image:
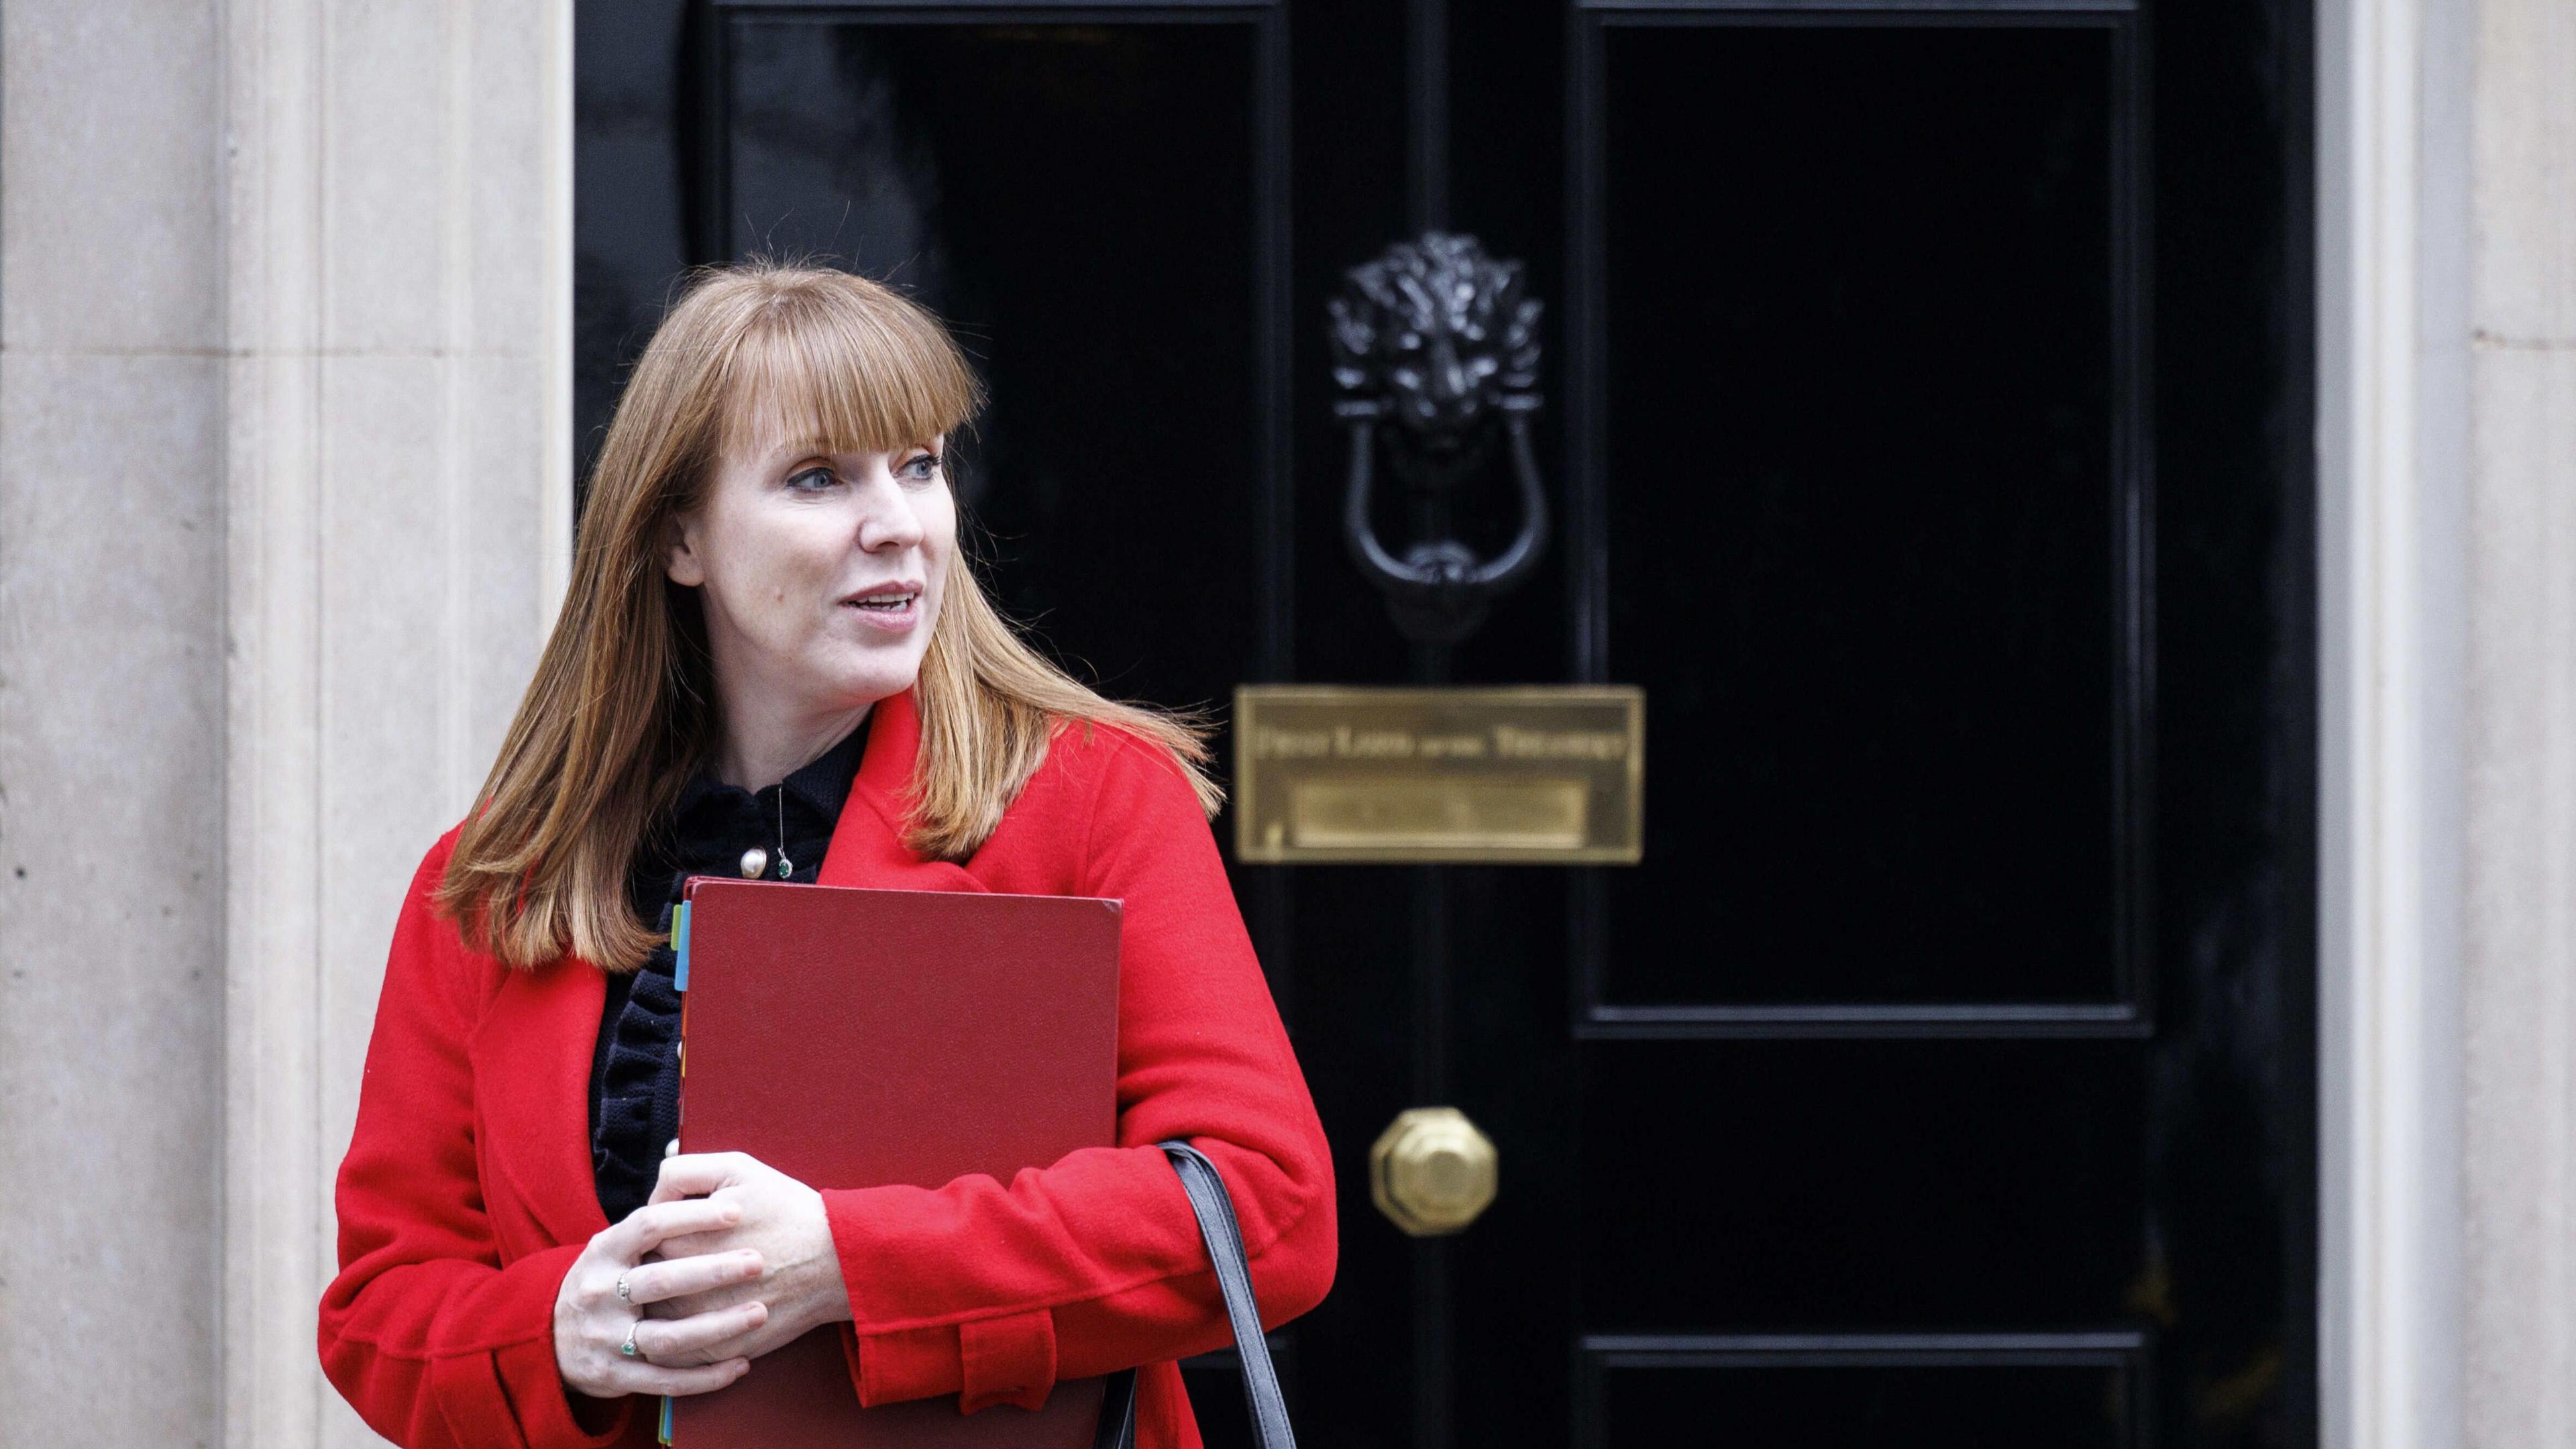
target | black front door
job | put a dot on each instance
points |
(1924, 428)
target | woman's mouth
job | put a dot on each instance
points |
(896, 609)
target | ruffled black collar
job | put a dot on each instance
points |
(713, 823)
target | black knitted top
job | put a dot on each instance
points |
(635, 1067)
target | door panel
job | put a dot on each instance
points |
(2040, 1392)
(1889, 1185)
(1868, 542)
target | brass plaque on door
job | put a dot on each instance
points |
(1540, 774)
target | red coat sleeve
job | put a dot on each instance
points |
(994, 1291)
(424, 1331)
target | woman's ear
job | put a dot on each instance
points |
(679, 552)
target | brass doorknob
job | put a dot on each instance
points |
(1431, 1171)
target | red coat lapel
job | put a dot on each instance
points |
(867, 843)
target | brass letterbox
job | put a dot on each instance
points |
(1538, 774)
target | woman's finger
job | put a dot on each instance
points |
(664, 1340)
(681, 1277)
(695, 1174)
(635, 1376)
(647, 1228)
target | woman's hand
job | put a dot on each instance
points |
(782, 1221)
(592, 1321)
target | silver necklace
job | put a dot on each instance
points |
(755, 861)
(786, 867)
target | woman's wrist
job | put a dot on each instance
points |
(832, 1288)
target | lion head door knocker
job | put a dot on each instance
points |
(1435, 353)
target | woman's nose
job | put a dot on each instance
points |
(889, 520)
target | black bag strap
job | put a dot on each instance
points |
(1224, 1239)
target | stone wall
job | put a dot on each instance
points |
(284, 512)
(400, 509)
(111, 720)
(2519, 949)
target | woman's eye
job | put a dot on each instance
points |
(810, 480)
(924, 467)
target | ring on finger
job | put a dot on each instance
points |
(628, 1348)
(624, 1293)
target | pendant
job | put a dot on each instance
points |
(786, 867)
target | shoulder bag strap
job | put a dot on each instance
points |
(1224, 1239)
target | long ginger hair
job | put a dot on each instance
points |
(623, 706)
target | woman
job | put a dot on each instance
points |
(774, 661)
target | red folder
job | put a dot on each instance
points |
(853, 1038)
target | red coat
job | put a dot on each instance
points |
(467, 1191)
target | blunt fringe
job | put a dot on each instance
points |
(621, 710)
